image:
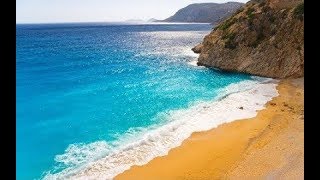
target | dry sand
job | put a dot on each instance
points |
(270, 145)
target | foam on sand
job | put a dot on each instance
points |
(236, 101)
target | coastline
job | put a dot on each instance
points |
(236, 101)
(269, 145)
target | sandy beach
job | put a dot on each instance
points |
(270, 145)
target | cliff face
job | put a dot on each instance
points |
(260, 39)
(204, 12)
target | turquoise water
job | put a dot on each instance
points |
(83, 83)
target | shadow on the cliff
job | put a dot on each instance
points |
(228, 73)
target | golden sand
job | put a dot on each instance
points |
(270, 145)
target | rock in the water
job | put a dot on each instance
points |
(197, 48)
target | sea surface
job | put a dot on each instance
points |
(112, 95)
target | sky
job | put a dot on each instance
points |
(52, 11)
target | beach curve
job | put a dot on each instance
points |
(240, 149)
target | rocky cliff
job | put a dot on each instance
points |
(260, 39)
(204, 12)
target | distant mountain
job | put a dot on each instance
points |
(152, 20)
(204, 12)
(135, 20)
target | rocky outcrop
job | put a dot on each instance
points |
(197, 48)
(204, 12)
(259, 40)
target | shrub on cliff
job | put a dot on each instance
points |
(225, 25)
(298, 11)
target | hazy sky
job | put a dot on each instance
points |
(37, 11)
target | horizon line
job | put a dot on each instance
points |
(126, 22)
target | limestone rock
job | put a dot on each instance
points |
(258, 40)
(197, 48)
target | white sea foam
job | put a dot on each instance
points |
(252, 95)
(77, 154)
(193, 63)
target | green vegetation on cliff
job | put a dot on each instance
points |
(264, 38)
(298, 12)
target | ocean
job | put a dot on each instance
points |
(106, 96)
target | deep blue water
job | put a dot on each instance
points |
(82, 83)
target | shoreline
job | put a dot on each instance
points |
(237, 101)
(241, 148)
